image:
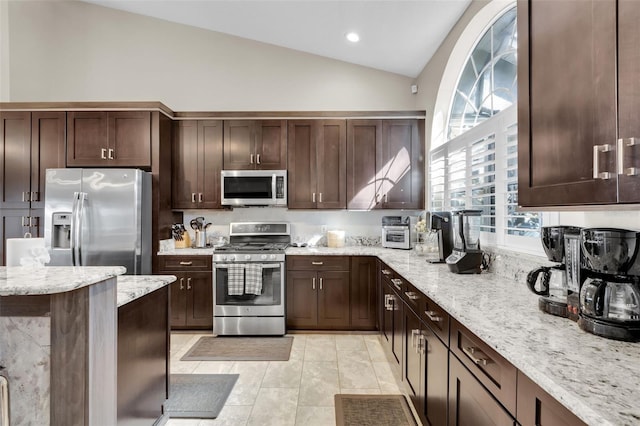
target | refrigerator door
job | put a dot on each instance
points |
(116, 219)
(61, 184)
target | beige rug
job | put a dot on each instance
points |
(379, 410)
(211, 348)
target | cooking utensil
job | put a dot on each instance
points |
(194, 224)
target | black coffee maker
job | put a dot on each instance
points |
(466, 256)
(440, 225)
(610, 295)
(553, 283)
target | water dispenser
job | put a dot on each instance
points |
(61, 238)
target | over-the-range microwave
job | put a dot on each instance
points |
(254, 188)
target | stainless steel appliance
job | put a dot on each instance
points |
(399, 232)
(4, 397)
(553, 283)
(249, 280)
(99, 217)
(466, 256)
(254, 188)
(610, 295)
(439, 224)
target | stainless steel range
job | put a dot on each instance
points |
(249, 280)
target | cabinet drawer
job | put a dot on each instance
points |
(324, 263)
(437, 319)
(411, 296)
(495, 372)
(185, 263)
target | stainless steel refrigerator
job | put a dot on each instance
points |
(99, 217)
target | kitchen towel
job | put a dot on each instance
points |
(254, 278)
(235, 279)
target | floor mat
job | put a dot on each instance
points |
(240, 349)
(199, 396)
(379, 410)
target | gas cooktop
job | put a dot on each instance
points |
(249, 246)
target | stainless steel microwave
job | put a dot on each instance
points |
(254, 188)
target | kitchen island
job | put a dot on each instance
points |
(595, 378)
(59, 340)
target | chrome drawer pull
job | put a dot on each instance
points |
(397, 282)
(414, 333)
(622, 143)
(597, 149)
(317, 263)
(186, 263)
(110, 156)
(189, 283)
(411, 295)
(470, 351)
(313, 284)
(103, 153)
(433, 316)
(386, 272)
(181, 283)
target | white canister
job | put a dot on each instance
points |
(335, 239)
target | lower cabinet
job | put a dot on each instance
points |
(192, 293)
(363, 293)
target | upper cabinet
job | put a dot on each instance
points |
(574, 146)
(255, 144)
(109, 139)
(385, 163)
(196, 164)
(317, 163)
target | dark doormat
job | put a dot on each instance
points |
(240, 349)
(379, 410)
(199, 396)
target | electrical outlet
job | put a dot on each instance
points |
(323, 229)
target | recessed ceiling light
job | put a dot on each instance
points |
(353, 37)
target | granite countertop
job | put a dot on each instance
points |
(207, 251)
(132, 287)
(27, 280)
(596, 378)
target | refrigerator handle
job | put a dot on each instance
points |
(74, 228)
(82, 196)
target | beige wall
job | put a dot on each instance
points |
(73, 51)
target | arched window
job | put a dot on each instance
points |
(487, 84)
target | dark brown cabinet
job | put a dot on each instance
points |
(536, 407)
(363, 293)
(196, 164)
(318, 297)
(317, 162)
(109, 139)
(392, 317)
(192, 293)
(255, 144)
(568, 93)
(385, 163)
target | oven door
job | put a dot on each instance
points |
(270, 302)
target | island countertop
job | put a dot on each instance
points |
(596, 378)
(132, 287)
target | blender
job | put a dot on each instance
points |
(559, 244)
(466, 256)
(610, 295)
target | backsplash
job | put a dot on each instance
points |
(514, 265)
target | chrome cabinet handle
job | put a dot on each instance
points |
(181, 283)
(422, 344)
(597, 149)
(321, 281)
(111, 154)
(183, 263)
(414, 333)
(193, 197)
(397, 282)
(25, 197)
(622, 143)
(313, 283)
(387, 302)
(189, 283)
(258, 159)
(385, 198)
(385, 272)
(251, 159)
(471, 351)
(313, 197)
(433, 316)
(317, 263)
(320, 199)
(412, 295)
(200, 197)
(34, 196)
(24, 221)
(103, 153)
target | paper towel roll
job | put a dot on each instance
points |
(17, 248)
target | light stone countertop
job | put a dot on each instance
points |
(27, 280)
(187, 252)
(598, 379)
(132, 287)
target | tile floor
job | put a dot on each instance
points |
(295, 392)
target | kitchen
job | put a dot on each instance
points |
(89, 47)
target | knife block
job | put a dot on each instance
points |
(185, 242)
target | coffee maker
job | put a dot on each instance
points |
(440, 230)
(610, 295)
(466, 256)
(560, 245)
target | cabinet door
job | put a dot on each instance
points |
(199, 299)
(129, 139)
(15, 159)
(386, 321)
(47, 150)
(397, 345)
(302, 183)
(331, 157)
(570, 90)
(536, 407)
(470, 404)
(302, 306)
(209, 163)
(185, 163)
(436, 379)
(14, 225)
(363, 136)
(629, 98)
(363, 293)
(414, 365)
(333, 299)
(178, 300)
(87, 143)
(400, 164)
(239, 145)
(271, 144)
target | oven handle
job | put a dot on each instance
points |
(264, 265)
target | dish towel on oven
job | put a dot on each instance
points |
(235, 278)
(253, 283)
